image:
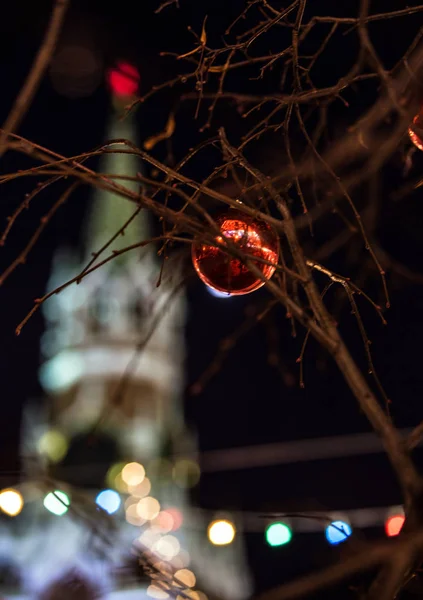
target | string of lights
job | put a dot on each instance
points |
(141, 508)
(129, 488)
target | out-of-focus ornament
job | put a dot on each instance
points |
(76, 70)
(415, 131)
(225, 273)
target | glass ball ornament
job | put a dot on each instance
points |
(415, 131)
(223, 272)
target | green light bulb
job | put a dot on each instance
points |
(278, 534)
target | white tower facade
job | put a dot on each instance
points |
(113, 367)
(95, 327)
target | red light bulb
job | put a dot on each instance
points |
(394, 525)
(124, 79)
(415, 137)
(225, 273)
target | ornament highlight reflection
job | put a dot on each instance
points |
(226, 273)
(417, 123)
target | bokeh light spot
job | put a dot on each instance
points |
(394, 525)
(114, 477)
(186, 577)
(177, 517)
(160, 469)
(163, 521)
(109, 500)
(133, 473)
(57, 502)
(337, 532)
(182, 560)
(141, 489)
(167, 547)
(278, 534)
(221, 532)
(186, 473)
(11, 502)
(148, 508)
(154, 591)
(53, 444)
(132, 516)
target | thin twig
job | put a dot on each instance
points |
(36, 73)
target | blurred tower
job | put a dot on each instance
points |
(113, 354)
(92, 367)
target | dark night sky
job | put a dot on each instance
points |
(248, 402)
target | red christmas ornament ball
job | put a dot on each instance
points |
(226, 273)
(417, 124)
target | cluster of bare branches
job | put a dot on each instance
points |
(314, 177)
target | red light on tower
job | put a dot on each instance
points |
(394, 525)
(123, 79)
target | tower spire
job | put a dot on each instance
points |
(110, 211)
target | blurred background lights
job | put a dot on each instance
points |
(131, 501)
(133, 473)
(182, 560)
(186, 473)
(57, 502)
(163, 521)
(278, 534)
(141, 489)
(132, 516)
(148, 508)
(53, 444)
(114, 478)
(177, 517)
(337, 532)
(162, 566)
(160, 468)
(193, 595)
(61, 372)
(394, 525)
(154, 591)
(186, 577)
(221, 532)
(167, 547)
(149, 537)
(76, 70)
(108, 500)
(11, 502)
(123, 79)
